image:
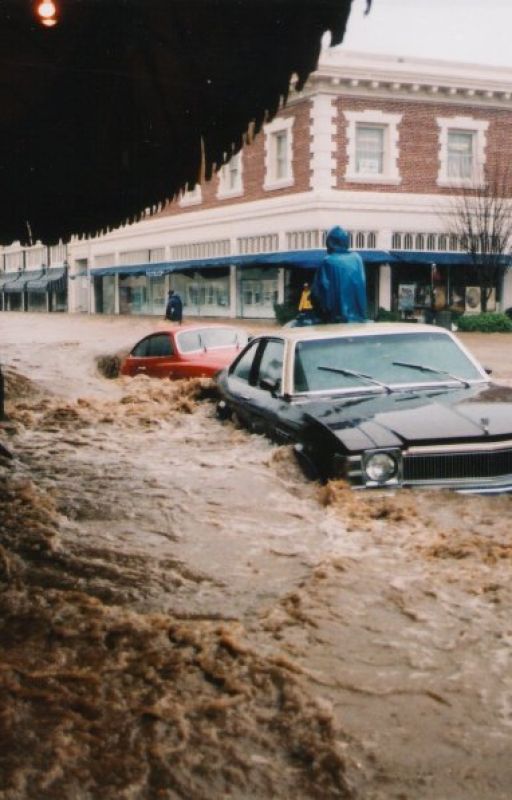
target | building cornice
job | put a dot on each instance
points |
(389, 77)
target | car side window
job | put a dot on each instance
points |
(243, 367)
(189, 342)
(271, 364)
(141, 349)
(160, 345)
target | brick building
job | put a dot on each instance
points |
(377, 144)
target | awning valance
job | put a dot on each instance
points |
(298, 259)
(51, 279)
(7, 277)
(16, 285)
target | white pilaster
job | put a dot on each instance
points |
(323, 143)
(116, 293)
(385, 287)
(506, 291)
(233, 291)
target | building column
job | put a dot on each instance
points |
(506, 290)
(116, 293)
(280, 285)
(385, 287)
(233, 291)
(92, 293)
(323, 143)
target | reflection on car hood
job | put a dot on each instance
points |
(416, 417)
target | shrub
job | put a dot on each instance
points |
(488, 322)
(383, 315)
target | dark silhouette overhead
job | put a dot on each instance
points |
(120, 104)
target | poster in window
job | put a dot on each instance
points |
(406, 296)
(473, 300)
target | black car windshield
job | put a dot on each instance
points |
(210, 339)
(384, 358)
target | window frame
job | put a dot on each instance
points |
(277, 127)
(191, 197)
(225, 189)
(478, 129)
(389, 124)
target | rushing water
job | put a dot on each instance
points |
(186, 617)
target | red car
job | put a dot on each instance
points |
(187, 351)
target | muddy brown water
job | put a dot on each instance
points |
(185, 617)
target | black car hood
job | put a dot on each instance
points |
(416, 417)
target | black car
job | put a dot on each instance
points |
(379, 405)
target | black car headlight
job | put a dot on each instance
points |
(381, 466)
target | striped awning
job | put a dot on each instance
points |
(7, 277)
(51, 279)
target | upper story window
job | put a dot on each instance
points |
(369, 150)
(460, 157)
(372, 147)
(230, 177)
(278, 154)
(191, 197)
(462, 150)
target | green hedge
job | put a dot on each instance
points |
(485, 323)
(383, 315)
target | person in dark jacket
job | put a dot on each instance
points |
(338, 292)
(174, 307)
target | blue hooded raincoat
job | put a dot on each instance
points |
(338, 292)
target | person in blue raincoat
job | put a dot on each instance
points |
(338, 292)
(174, 307)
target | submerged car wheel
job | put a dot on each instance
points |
(307, 463)
(223, 411)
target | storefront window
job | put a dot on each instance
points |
(258, 292)
(104, 294)
(37, 301)
(204, 294)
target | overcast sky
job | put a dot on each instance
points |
(474, 31)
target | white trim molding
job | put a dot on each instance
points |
(277, 126)
(323, 142)
(389, 123)
(465, 125)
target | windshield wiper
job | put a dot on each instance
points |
(355, 374)
(426, 368)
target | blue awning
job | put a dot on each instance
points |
(291, 259)
(434, 257)
(54, 278)
(299, 259)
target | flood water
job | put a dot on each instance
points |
(184, 616)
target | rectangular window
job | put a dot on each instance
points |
(281, 154)
(369, 150)
(460, 154)
(233, 172)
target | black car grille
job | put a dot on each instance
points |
(449, 466)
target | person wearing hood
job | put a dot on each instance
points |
(338, 292)
(174, 307)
